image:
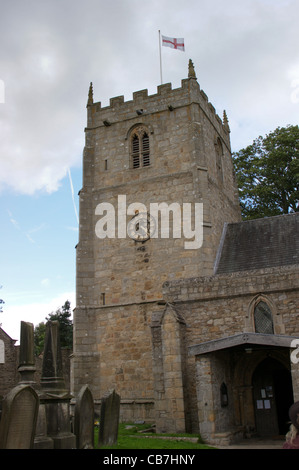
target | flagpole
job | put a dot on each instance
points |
(160, 57)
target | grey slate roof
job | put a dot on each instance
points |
(259, 243)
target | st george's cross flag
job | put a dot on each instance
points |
(174, 43)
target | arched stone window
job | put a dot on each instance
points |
(140, 148)
(2, 352)
(263, 320)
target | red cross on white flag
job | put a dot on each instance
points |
(174, 43)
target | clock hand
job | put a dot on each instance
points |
(143, 226)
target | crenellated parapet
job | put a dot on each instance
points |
(166, 99)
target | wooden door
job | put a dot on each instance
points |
(264, 400)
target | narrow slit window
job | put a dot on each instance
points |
(219, 157)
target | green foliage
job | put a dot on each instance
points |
(39, 338)
(65, 324)
(267, 174)
(61, 315)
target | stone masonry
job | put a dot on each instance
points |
(8, 363)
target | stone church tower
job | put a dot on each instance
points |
(189, 313)
(170, 147)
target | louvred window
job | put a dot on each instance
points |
(140, 148)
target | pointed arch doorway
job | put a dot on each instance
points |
(272, 396)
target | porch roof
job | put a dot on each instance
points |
(242, 339)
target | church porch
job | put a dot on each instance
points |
(245, 384)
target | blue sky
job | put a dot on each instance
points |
(39, 234)
(37, 230)
(246, 59)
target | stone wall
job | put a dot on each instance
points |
(118, 356)
(8, 363)
(220, 306)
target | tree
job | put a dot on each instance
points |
(267, 174)
(65, 324)
(39, 338)
(65, 328)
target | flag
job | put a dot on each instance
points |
(174, 43)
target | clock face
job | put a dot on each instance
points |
(141, 227)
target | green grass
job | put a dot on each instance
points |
(133, 439)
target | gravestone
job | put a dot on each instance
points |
(54, 395)
(52, 379)
(19, 416)
(27, 369)
(42, 440)
(84, 419)
(109, 419)
(26, 356)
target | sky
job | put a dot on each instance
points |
(246, 58)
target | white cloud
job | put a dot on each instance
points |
(27, 233)
(33, 312)
(13, 220)
(242, 53)
(45, 282)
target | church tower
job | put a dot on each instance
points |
(168, 154)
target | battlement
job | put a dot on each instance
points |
(143, 96)
(166, 99)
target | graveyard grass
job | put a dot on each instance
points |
(130, 437)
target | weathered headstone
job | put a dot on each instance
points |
(109, 419)
(42, 440)
(19, 416)
(52, 379)
(26, 356)
(27, 369)
(54, 394)
(84, 419)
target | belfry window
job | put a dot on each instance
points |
(263, 320)
(140, 148)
